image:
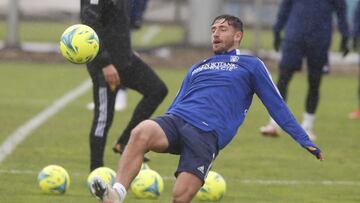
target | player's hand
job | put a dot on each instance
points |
(344, 48)
(316, 152)
(277, 41)
(111, 76)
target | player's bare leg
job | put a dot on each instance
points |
(186, 187)
(148, 135)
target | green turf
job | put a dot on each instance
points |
(169, 34)
(26, 89)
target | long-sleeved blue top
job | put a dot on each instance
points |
(356, 21)
(217, 93)
(311, 19)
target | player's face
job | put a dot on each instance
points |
(224, 37)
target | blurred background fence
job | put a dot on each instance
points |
(193, 16)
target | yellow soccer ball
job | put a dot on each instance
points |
(214, 188)
(148, 184)
(53, 179)
(106, 174)
(79, 44)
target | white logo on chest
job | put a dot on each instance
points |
(234, 58)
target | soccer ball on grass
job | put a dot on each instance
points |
(79, 44)
(106, 174)
(148, 184)
(53, 179)
(214, 188)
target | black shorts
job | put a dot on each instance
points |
(197, 148)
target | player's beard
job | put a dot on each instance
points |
(219, 48)
(223, 47)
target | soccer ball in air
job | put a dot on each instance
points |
(53, 179)
(106, 174)
(148, 184)
(79, 44)
(213, 189)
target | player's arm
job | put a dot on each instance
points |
(277, 108)
(90, 14)
(282, 17)
(110, 22)
(283, 14)
(343, 26)
(341, 11)
(356, 23)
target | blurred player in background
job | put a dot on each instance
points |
(204, 117)
(120, 101)
(136, 13)
(137, 9)
(356, 45)
(116, 64)
(308, 30)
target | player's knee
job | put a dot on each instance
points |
(157, 90)
(182, 196)
(141, 133)
(160, 91)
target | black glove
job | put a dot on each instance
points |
(136, 24)
(277, 40)
(344, 48)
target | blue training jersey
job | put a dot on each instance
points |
(217, 93)
(311, 19)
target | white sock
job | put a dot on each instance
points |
(119, 188)
(273, 123)
(308, 121)
(121, 96)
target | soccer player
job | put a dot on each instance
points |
(209, 108)
(136, 11)
(356, 34)
(116, 64)
(308, 30)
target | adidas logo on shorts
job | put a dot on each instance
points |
(201, 169)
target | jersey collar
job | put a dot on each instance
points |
(232, 52)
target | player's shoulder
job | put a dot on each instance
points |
(249, 59)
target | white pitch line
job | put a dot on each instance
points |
(240, 181)
(286, 182)
(299, 182)
(150, 34)
(25, 130)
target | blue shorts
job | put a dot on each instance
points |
(197, 148)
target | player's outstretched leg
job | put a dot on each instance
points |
(119, 148)
(271, 129)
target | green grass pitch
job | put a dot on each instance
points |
(257, 169)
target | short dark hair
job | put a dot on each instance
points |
(232, 20)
